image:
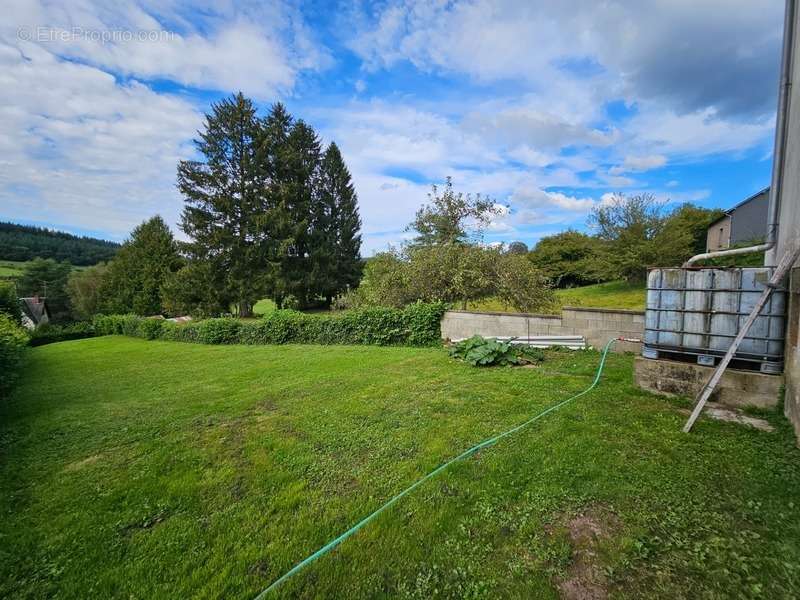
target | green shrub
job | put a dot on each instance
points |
(416, 325)
(49, 333)
(150, 329)
(424, 323)
(9, 302)
(115, 324)
(218, 331)
(481, 352)
(13, 340)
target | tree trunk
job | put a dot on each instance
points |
(245, 309)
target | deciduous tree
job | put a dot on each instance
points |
(451, 217)
(85, 290)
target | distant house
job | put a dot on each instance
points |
(34, 312)
(745, 222)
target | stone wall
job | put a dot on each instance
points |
(597, 325)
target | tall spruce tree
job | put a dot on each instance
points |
(336, 261)
(135, 279)
(295, 191)
(226, 203)
(267, 213)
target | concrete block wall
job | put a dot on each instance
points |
(599, 325)
(596, 325)
(736, 389)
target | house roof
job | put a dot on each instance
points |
(731, 210)
(35, 308)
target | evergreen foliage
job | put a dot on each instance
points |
(47, 278)
(24, 242)
(224, 199)
(136, 278)
(268, 213)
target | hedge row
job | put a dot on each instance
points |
(47, 334)
(415, 325)
(13, 340)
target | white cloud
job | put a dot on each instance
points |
(530, 197)
(639, 163)
(696, 134)
(693, 55)
(226, 47)
(83, 150)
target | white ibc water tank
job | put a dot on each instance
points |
(698, 312)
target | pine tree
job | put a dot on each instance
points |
(336, 228)
(135, 279)
(295, 191)
(226, 202)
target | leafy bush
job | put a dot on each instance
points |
(149, 329)
(9, 302)
(415, 325)
(481, 352)
(13, 340)
(218, 331)
(455, 274)
(116, 324)
(49, 333)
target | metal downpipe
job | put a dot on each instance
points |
(776, 184)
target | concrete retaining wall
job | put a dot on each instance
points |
(597, 325)
(735, 389)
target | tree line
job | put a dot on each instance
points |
(629, 234)
(267, 211)
(447, 261)
(25, 242)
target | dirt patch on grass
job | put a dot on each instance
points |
(146, 523)
(586, 578)
(83, 463)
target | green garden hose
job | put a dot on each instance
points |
(489, 442)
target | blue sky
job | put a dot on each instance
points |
(547, 107)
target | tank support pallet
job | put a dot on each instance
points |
(772, 367)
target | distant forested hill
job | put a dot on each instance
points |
(23, 242)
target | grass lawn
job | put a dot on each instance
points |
(154, 469)
(11, 268)
(264, 306)
(614, 294)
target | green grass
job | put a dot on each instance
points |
(11, 269)
(614, 294)
(164, 470)
(264, 306)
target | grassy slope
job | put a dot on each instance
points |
(614, 294)
(10, 268)
(154, 469)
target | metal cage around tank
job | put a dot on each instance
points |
(695, 313)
